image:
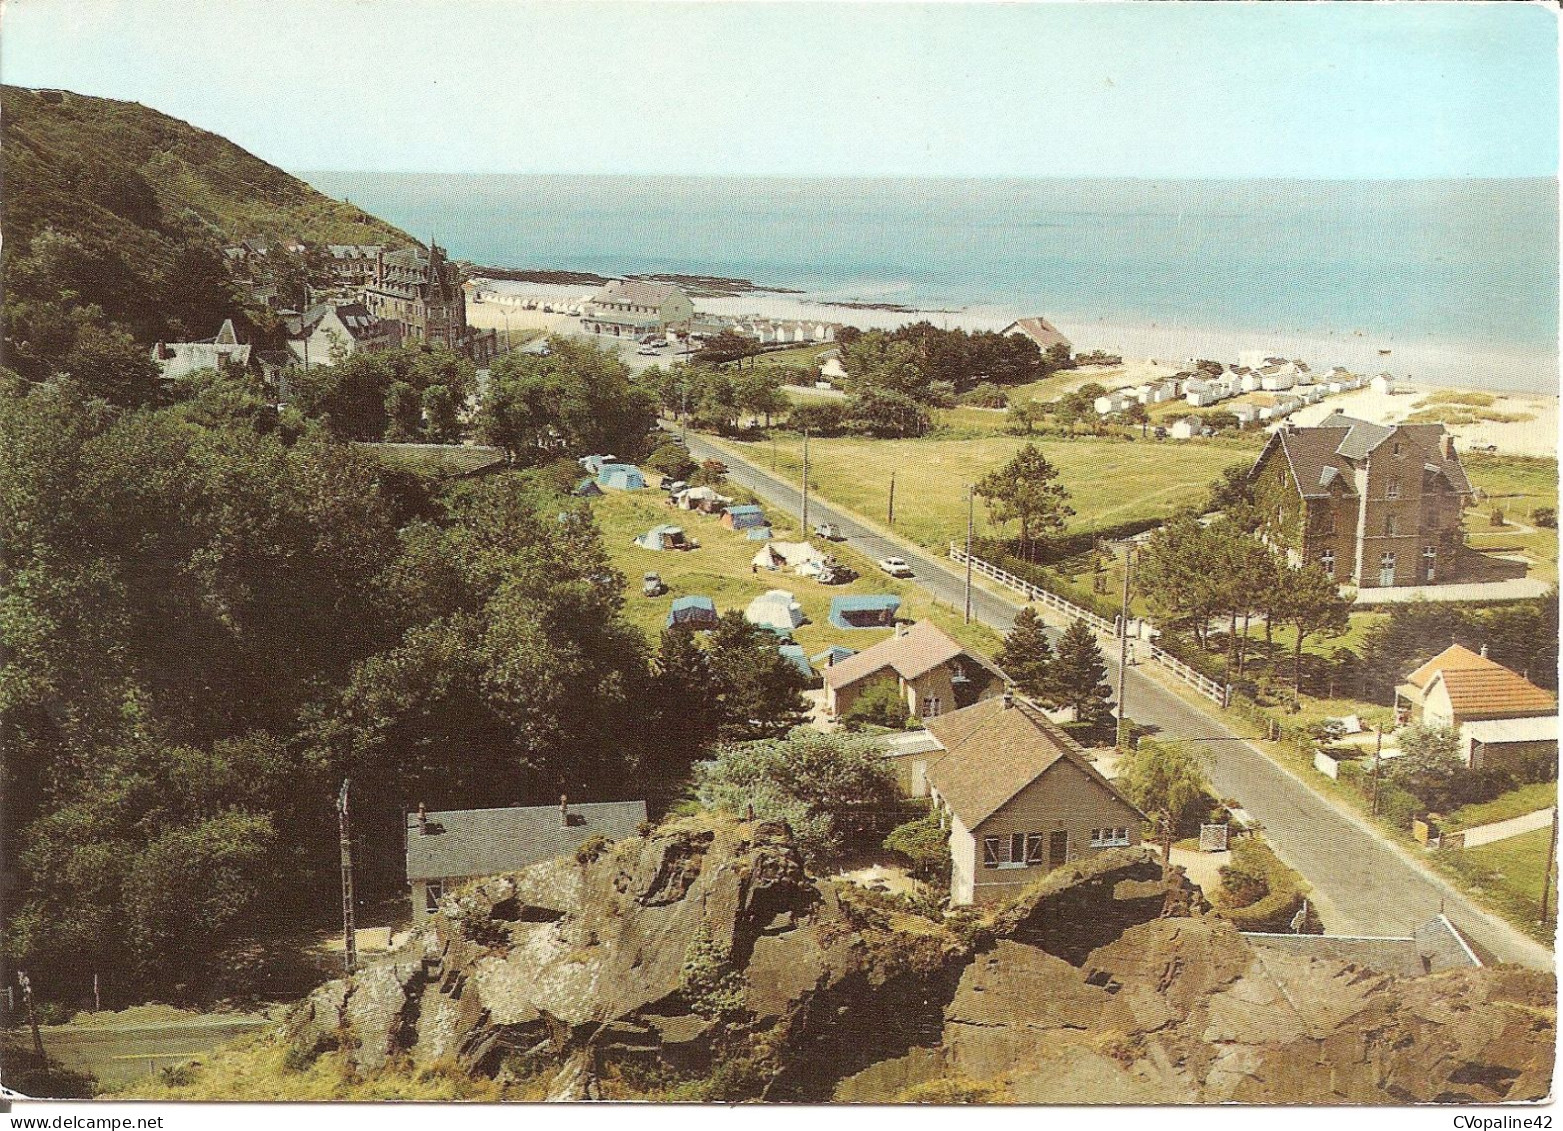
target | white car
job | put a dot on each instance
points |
(895, 567)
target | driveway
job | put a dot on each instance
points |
(1364, 885)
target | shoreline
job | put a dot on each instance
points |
(1446, 364)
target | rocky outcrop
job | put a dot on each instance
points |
(701, 960)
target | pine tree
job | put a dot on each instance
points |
(1027, 658)
(1079, 676)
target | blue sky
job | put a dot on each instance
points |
(804, 89)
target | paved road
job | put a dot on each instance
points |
(1363, 885)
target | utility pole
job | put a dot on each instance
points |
(890, 518)
(1123, 647)
(32, 1015)
(805, 519)
(349, 929)
(1546, 880)
(971, 509)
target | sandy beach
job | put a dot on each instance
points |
(1534, 432)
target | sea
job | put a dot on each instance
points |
(1456, 278)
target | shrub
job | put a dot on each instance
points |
(1255, 866)
(1545, 517)
(880, 705)
(1497, 516)
(985, 395)
(591, 848)
(672, 461)
(925, 844)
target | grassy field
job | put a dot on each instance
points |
(1515, 803)
(1109, 481)
(1517, 864)
(1517, 485)
(720, 569)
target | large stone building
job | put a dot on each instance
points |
(1370, 504)
(636, 307)
(424, 293)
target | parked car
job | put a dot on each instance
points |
(895, 567)
(834, 573)
(647, 351)
(652, 586)
(830, 531)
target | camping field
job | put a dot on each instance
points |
(720, 569)
(1109, 481)
(1517, 485)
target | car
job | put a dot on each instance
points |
(652, 585)
(895, 567)
(647, 351)
(829, 531)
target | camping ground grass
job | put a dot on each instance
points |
(720, 569)
(1517, 485)
(1109, 481)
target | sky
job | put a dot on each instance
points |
(1158, 90)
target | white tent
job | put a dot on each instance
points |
(800, 557)
(777, 610)
(694, 498)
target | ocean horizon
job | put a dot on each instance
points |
(1459, 277)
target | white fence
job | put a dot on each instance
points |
(1048, 599)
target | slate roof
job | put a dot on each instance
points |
(634, 292)
(995, 749)
(1338, 443)
(486, 842)
(912, 653)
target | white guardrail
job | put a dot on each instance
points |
(1048, 599)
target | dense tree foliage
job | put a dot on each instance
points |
(1026, 490)
(403, 395)
(1027, 658)
(1079, 677)
(1169, 782)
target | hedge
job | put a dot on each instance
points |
(1285, 889)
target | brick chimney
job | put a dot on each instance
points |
(564, 811)
(1448, 446)
(1009, 698)
(423, 819)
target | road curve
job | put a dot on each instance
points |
(1364, 885)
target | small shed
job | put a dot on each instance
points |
(664, 538)
(586, 489)
(793, 654)
(693, 612)
(744, 518)
(875, 610)
(620, 477)
(777, 610)
(1187, 428)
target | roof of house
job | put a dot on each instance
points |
(1339, 442)
(912, 653)
(995, 749)
(1493, 691)
(1454, 656)
(635, 292)
(694, 603)
(486, 842)
(748, 508)
(1535, 728)
(1039, 330)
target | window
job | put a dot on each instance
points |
(1396, 448)
(1390, 526)
(1017, 850)
(990, 852)
(1392, 491)
(1429, 562)
(1109, 838)
(1386, 569)
(1327, 562)
(932, 706)
(1033, 848)
(432, 891)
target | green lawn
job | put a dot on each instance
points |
(720, 569)
(1515, 803)
(1109, 481)
(1517, 864)
(1517, 485)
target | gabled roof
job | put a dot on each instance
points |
(635, 292)
(1454, 656)
(1493, 691)
(995, 749)
(912, 653)
(486, 842)
(1040, 331)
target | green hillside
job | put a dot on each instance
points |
(111, 203)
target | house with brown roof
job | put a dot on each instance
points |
(635, 307)
(1502, 718)
(1019, 797)
(1369, 504)
(932, 673)
(1039, 330)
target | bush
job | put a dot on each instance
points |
(985, 395)
(1497, 516)
(672, 461)
(1545, 517)
(591, 848)
(828, 418)
(880, 705)
(1254, 867)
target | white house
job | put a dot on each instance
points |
(1112, 402)
(1245, 413)
(1200, 393)
(1383, 383)
(1187, 428)
(1274, 379)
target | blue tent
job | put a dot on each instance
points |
(832, 655)
(693, 612)
(586, 489)
(742, 518)
(758, 534)
(621, 477)
(872, 611)
(793, 654)
(594, 464)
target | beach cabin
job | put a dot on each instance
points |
(777, 610)
(1275, 379)
(664, 538)
(1245, 413)
(695, 613)
(864, 611)
(1202, 393)
(586, 489)
(1110, 403)
(1383, 383)
(744, 518)
(620, 477)
(1187, 428)
(793, 654)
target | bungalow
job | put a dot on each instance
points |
(1502, 718)
(694, 613)
(1250, 382)
(931, 672)
(1199, 392)
(1110, 403)
(1188, 428)
(1019, 797)
(448, 849)
(743, 518)
(1275, 379)
(874, 610)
